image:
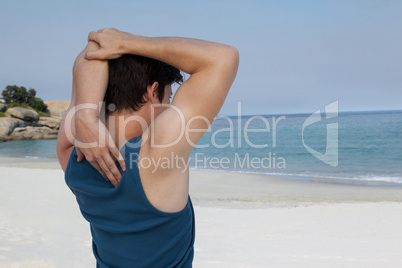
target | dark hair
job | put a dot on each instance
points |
(129, 77)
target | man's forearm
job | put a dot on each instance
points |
(189, 55)
(90, 79)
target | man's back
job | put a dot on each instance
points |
(126, 228)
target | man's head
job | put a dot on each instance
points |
(133, 80)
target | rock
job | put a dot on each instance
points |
(16, 129)
(23, 123)
(51, 122)
(34, 133)
(57, 108)
(3, 107)
(7, 125)
(24, 114)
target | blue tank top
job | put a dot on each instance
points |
(127, 230)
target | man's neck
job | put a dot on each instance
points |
(124, 125)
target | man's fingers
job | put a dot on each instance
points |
(93, 36)
(111, 165)
(95, 55)
(98, 168)
(107, 172)
(116, 153)
(80, 155)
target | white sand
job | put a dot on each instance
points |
(241, 221)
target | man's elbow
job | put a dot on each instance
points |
(81, 61)
(234, 56)
(230, 61)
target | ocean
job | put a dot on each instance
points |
(350, 147)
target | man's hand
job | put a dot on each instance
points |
(111, 43)
(96, 144)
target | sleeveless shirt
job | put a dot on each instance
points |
(127, 230)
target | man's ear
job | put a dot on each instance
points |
(152, 93)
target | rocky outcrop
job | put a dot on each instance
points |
(24, 123)
(23, 114)
(16, 129)
(50, 122)
(7, 125)
(57, 108)
(33, 133)
(3, 107)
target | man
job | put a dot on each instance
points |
(160, 128)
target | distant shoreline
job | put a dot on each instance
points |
(36, 163)
(47, 163)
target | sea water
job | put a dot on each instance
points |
(351, 147)
(368, 146)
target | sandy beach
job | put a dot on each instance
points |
(242, 220)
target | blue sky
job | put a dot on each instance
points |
(295, 56)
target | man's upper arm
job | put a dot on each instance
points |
(194, 106)
(64, 145)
